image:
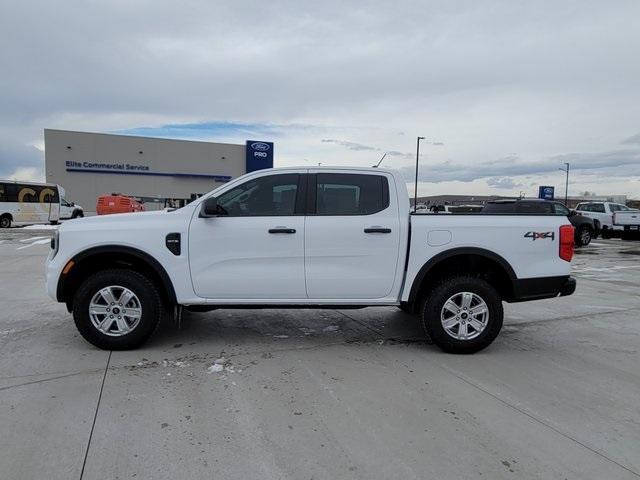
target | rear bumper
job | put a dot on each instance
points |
(543, 287)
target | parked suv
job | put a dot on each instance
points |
(586, 229)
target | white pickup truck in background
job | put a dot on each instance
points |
(629, 220)
(602, 212)
(309, 238)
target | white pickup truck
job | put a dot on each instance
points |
(628, 220)
(309, 238)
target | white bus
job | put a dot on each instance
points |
(28, 202)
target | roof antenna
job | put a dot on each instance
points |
(378, 164)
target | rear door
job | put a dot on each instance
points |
(352, 235)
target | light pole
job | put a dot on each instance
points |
(415, 195)
(566, 184)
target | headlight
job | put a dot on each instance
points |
(55, 243)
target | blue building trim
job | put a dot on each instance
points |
(218, 178)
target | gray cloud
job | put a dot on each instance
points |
(617, 163)
(15, 156)
(633, 140)
(349, 145)
(503, 183)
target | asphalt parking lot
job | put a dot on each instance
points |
(305, 394)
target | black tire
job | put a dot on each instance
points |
(584, 235)
(77, 214)
(54, 222)
(5, 221)
(147, 294)
(433, 305)
(606, 234)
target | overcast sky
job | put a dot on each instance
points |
(504, 91)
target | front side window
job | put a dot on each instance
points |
(597, 207)
(350, 194)
(273, 195)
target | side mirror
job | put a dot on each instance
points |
(209, 208)
(572, 213)
(73, 204)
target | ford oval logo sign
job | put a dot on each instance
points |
(260, 146)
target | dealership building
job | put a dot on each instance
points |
(159, 171)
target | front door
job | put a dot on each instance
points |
(352, 236)
(255, 248)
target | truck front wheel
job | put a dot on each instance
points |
(117, 309)
(462, 314)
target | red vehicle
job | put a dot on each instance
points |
(117, 203)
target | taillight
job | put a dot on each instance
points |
(566, 242)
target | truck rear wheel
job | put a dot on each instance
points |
(117, 309)
(462, 314)
(5, 221)
(584, 236)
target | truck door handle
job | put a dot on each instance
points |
(377, 230)
(282, 230)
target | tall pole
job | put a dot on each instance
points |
(566, 187)
(415, 192)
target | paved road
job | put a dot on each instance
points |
(324, 394)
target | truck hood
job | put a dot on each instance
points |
(117, 221)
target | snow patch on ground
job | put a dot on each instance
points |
(37, 242)
(331, 328)
(41, 227)
(281, 336)
(215, 368)
(31, 239)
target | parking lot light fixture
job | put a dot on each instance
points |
(566, 184)
(415, 192)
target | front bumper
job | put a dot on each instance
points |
(543, 287)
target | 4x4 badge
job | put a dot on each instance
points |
(536, 235)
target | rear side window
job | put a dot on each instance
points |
(350, 194)
(534, 207)
(3, 193)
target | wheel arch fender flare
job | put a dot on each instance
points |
(455, 252)
(125, 251)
